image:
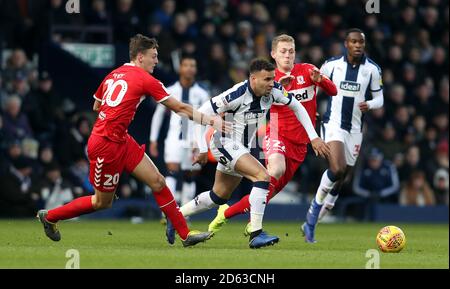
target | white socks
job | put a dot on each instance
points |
(201, 203)
(329, 202)
(326, 185)
(257, 201)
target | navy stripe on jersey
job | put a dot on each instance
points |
(184, 123)
(367, 95)
(323, 132)
(255, 105)
(219, 146)
(213, 105)
(237, 93)
(347, 112)
(352, 72)
(245, 139)
(347, 102)
(326, 116)
(334, 58)
(366, 98)
(290, 98)
(278, 85)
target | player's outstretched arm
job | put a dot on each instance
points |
(188, 111)
(319, 146)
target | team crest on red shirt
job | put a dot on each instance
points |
(300, 79)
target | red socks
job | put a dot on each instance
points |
(243, 206)
(83, 205)
(167, 204)
(77, 207)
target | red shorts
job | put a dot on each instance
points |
(109, 159)
(294, 155)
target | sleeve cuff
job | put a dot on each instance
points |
(163, 99)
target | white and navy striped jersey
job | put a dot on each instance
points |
(179, 128)
(355, 84)
(248, 112)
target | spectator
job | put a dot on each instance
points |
(97, 15)
(15, 123)
(43, 108)
(54, 191)
(441, 103)
(441, 186)
(377, 179)
(79, 136)
(429, 143)
(438, 64)
(216, 11)
(13, 152)
(16, 63)
(395, 98)
(412, 162)
(402, 121)
(125, 21)
(417, 191)
(440, 120)
(438, 161)
(388, 143)
(20, 86)
(419, 124)
(79, 176)
(164, 15)
(17, 200)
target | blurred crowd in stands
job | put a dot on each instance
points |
(405, 153)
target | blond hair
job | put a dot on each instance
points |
(281, 38)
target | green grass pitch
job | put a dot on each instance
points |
(120, 244)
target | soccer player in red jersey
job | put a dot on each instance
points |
(286, 140)
(111, 150)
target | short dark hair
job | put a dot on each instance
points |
(140, 43)
(260, 64)
(351, 30)
(184, 56)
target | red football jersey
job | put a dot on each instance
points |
(305, 91)
(121, 92)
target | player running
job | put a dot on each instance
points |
(247, 103)
(355, 75)
(179, 143)
(286, 140)
(111, 150)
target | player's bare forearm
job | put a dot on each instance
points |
(188, 111)
(96, 106)
(179, 107)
